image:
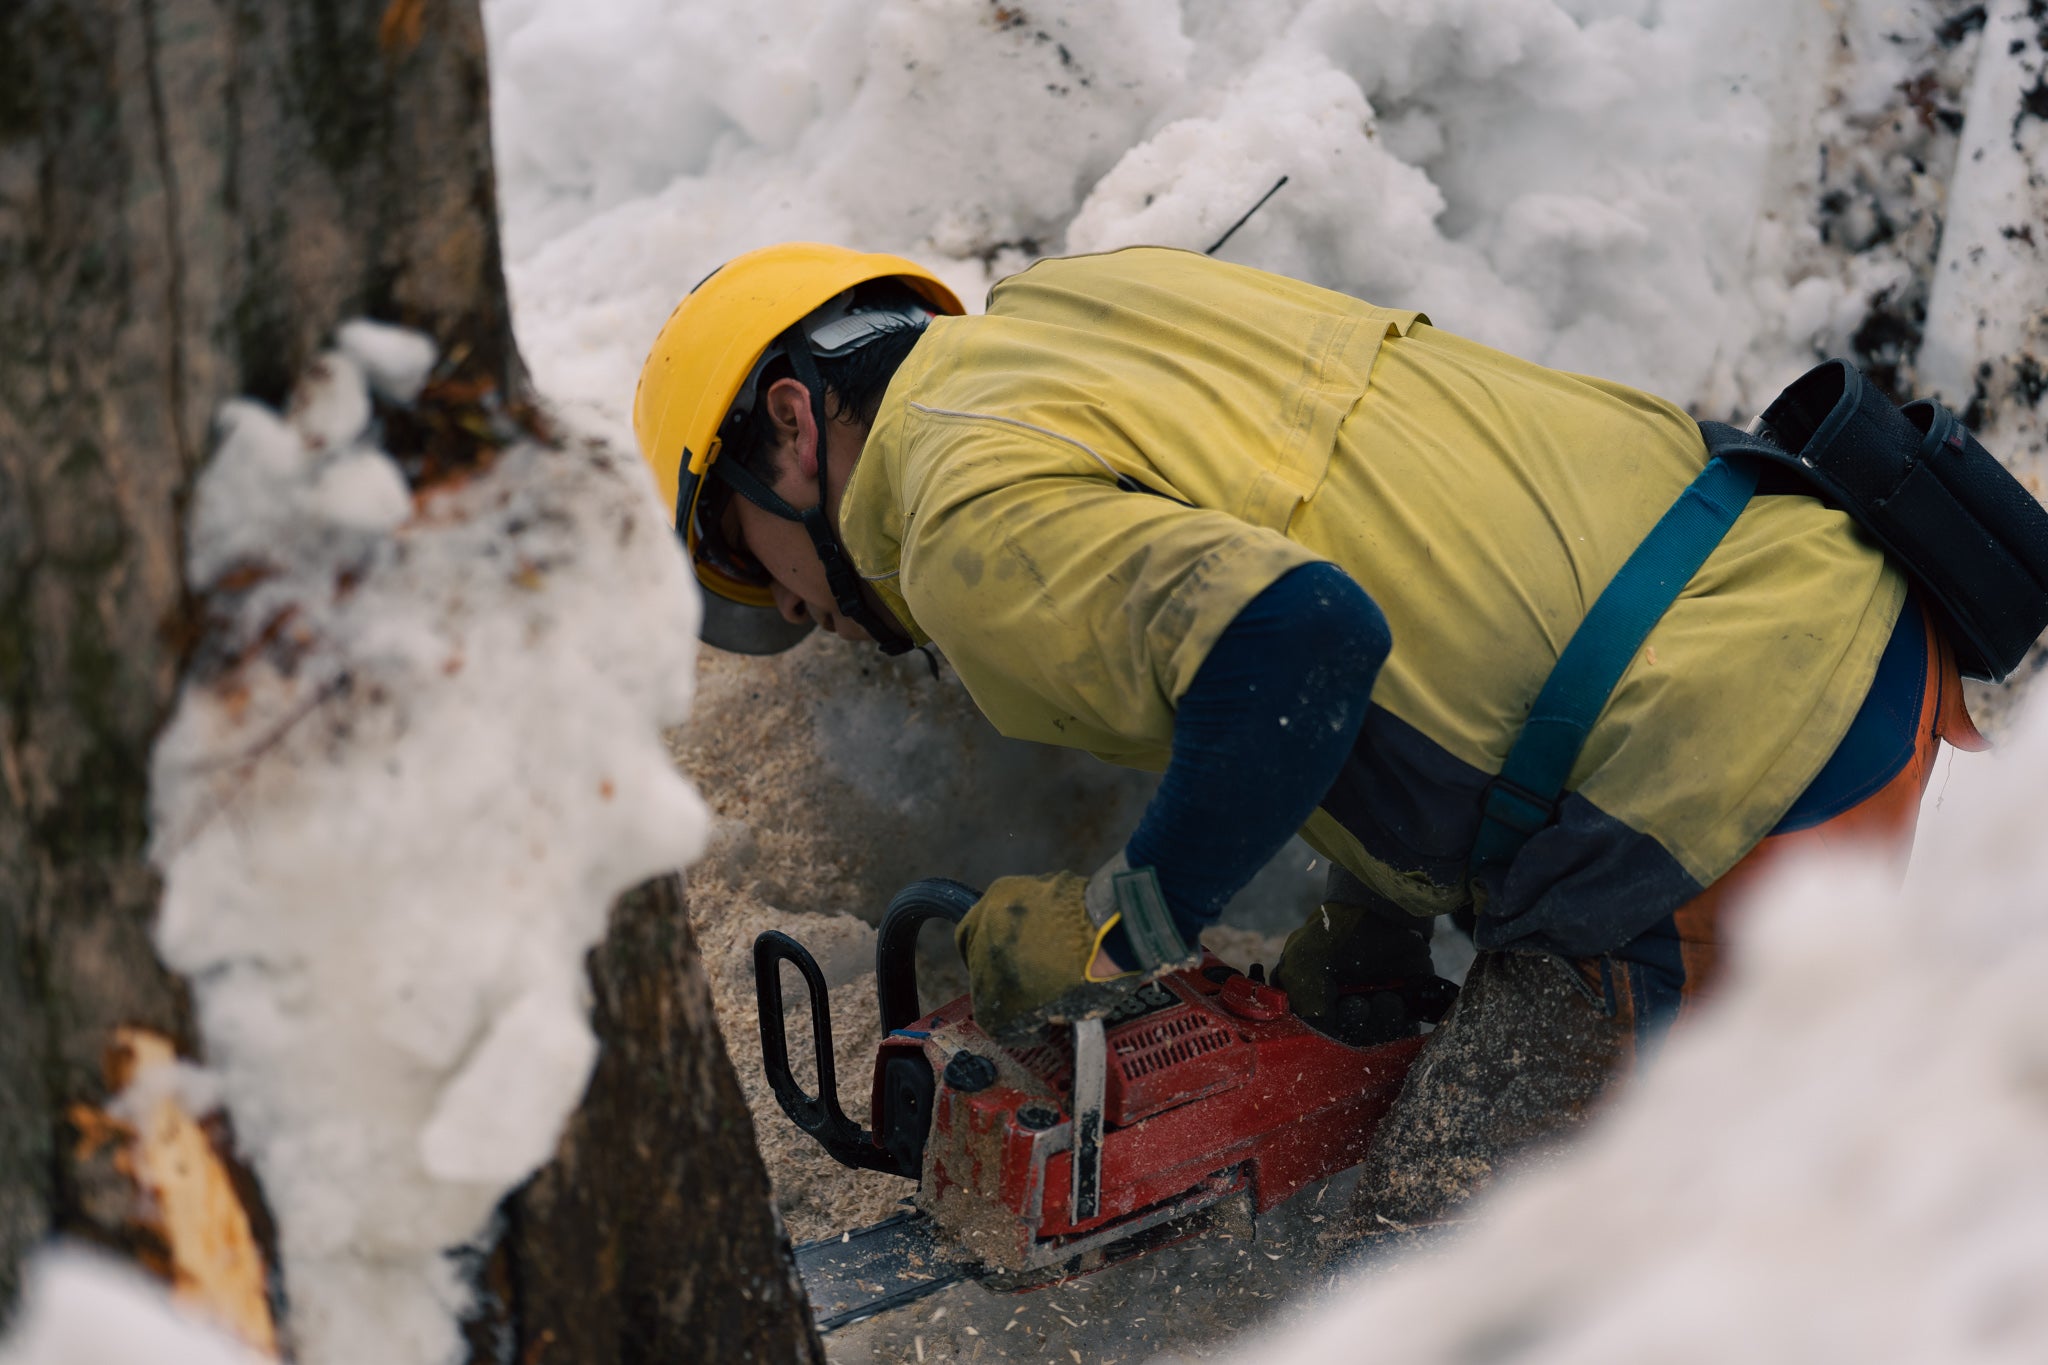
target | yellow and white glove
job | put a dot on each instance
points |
(1033, 947)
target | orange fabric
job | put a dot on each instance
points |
(1886, 819)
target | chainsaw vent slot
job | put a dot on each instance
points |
(1168, 1043)
(1051, 1061)
(1168, 1059)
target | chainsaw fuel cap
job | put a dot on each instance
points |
(969, 1072)
(1038, 1117)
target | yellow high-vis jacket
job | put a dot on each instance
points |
(1074, 494)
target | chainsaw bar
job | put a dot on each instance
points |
(858, 1274)
(870, 1270)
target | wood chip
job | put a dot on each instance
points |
(215, 1262)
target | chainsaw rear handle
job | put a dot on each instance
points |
(820, 1114)
(896, 943)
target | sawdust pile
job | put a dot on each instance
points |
(838, 777)
(816, 1195)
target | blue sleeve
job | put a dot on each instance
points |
(1258, 738)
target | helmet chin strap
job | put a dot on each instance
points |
(840, 575)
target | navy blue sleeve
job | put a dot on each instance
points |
(1258, 738)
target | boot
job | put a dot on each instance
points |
(1359, 968)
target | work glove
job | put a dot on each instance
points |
(1029, 943)
(1362, 974)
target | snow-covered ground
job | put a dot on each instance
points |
(1696, 197)
(1692, 197)
(82, 1308)
(1700, 198)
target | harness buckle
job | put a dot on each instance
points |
(1505, 801)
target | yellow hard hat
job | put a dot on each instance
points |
(704, 362)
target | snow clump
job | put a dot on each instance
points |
(418, 755)
(1700, 200)
(80, 1307)
(396, 360)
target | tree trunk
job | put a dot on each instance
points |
(193, 194)
(644, 1240)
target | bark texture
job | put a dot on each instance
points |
(193, 194)
(652, 1236)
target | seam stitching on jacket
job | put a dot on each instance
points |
(1082, 446)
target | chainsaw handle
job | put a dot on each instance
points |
(820, 1114)
(896, 943)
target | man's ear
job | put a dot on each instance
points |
(794, 424)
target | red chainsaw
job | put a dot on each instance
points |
(1201, 1097)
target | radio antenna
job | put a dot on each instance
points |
(1232, 229)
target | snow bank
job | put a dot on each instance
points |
(1839, 1162)
(419, 755)
(1694, 198)
(1697, 198)
(82, 1308)
(1987, 331)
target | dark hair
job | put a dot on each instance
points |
(858, 380)
(854, 384)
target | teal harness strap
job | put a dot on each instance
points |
(1524, 798)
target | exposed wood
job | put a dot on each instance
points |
(188, 1198)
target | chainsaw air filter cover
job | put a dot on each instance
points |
(1163, 1051)
(1172, 1057)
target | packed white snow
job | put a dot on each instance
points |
(1697, 198)
(419, 756)
(1987, 314)
(391, 815)
(1701, 199)
(81, 1307)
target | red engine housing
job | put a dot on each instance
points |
(1213, 1089)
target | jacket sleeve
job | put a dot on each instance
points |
(1077, 612)
(1259, 738)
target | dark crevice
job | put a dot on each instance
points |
(174, 244)
(1960, 26)
(2034, 101)
(1889, 339)
(2032, 380)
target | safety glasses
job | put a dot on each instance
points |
(719, 543)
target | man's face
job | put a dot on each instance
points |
(783, 548)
